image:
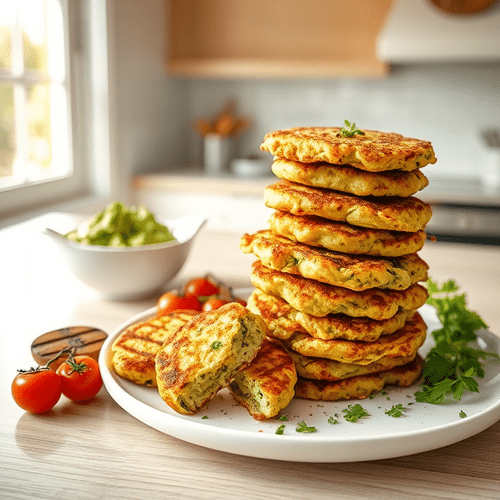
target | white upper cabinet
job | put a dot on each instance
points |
(417, 31)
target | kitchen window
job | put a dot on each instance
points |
(45, 108)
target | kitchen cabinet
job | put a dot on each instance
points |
(274, 38)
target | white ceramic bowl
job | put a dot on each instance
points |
(134, 272)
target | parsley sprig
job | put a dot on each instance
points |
(454, 363)
(350, 129)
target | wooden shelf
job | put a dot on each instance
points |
(263, 39)
(268, 68)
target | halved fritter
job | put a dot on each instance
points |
(267, 385)
(203, 356)
(359, 387)
(404, 342)
(390, 213)
(335, 268)
(283, 321)
(349, 179)
(329, 370)
(134, 350)
(342, 237)
(319, 299)
(373, 151)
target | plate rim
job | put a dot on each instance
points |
(254, 442)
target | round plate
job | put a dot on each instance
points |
(225, 426)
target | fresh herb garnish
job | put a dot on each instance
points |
(283, 418)
(462, 414)
(333, 420)
(280, 429)
(302, 427)
(216, 344)
(452, 365)
(350, 129)
(396, 411)
(354, 412)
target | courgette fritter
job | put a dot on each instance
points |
(204, 355)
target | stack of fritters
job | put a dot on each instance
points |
(337, 276)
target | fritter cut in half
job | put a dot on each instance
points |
(389, 213)
(341, 237)
(267, 385)
(319, 299)
(349, 179)
(372, 150)
(404, 342)
(334, 268)
(283, 321)
(359, 387)
(134, 350)
(202, 357)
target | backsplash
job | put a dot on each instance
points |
(448, 104)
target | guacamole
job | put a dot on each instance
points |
(121, 226)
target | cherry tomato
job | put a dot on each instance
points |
(200, 287)
(80, 378)
(37, 390)
(213, 303)
(170, 301)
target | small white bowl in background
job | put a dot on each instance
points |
(127, 273)
(251, 167)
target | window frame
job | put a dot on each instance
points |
(86, 33)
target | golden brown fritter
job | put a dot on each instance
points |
(342, 237)
(334, 268)
(319, 299)
(359, 387)
(203, 356)
(283, 321)
(404, 342)
(329, 370)
(374, 151)
(134, 350)
(389, 213)
(267, 385)
(349, 179)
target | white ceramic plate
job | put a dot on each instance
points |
(225, 426)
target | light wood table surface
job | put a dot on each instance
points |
(97, 450)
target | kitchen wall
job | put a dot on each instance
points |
(446, 103)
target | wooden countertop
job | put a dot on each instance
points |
(97, 450)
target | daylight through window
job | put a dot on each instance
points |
(34, 93)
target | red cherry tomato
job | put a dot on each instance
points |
(80, 378)
(36, 391)
(170, 301)
(200, 287)
(213, 303)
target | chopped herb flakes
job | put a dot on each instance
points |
(396, 411)
(283, 418)
(354, 412)
(217, 344)
(302, 427)
(280, 429)
(462, 414)
(333, 420)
